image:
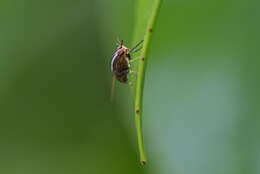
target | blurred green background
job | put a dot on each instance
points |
(201, 103)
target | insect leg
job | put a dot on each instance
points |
(135, 59)
(130, 83)
(133, 72)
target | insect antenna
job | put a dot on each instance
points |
(137, 45)
(118, 41)
(136, 50)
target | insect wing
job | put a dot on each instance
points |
(116, 56)
(112, 95)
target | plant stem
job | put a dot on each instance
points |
(140, 80)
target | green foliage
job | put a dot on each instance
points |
(201, 103)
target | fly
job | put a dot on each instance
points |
(120, 63)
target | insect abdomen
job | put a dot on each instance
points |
(122, 75)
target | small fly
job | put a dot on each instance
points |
(120, 63)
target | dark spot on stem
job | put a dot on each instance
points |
(150, 30)
(137, 111)
(143, 163)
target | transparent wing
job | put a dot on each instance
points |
(112, 95)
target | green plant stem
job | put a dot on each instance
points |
(140, 80)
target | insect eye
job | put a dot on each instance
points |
(127, 51)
